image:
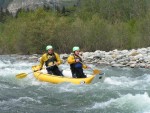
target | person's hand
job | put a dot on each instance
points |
(56, 64)
(77, 60)
(87, 67)
(37, 69)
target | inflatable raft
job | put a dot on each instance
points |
(43, 76)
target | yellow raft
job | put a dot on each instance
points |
(61, 79)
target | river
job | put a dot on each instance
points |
(124, 90)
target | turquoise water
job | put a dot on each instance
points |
(124, 90)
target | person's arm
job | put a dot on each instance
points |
(41, 63)
(71, 59)
(59, 61)
(42, 60)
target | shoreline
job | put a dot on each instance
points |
(134, 58)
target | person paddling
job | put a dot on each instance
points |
(76, 65)
(51, 60)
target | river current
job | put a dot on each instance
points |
(124, 90)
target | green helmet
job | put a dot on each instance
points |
(75, 48)
(49, 47)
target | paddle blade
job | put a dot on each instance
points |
(96, 71)
(21, 75)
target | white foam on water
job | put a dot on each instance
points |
(9, 70)
(4, 86)
(9, 74)
(66, 87)
(109, 80)
(127, 81)
(30, 80)
(2, 64)
(138, 102)
(102, 104)
(145, 78)
(70, 87)
(19, 101)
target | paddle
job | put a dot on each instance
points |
(95, 71)
(23, 75)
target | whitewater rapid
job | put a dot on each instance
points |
(124, 90)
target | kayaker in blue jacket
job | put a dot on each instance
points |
(76, 64)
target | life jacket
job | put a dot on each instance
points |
(51, 59)
(76, 64)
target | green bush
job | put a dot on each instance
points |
(93, 25)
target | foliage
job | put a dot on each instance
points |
(94, 24)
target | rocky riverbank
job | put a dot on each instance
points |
(118, 58)
(139, 58)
